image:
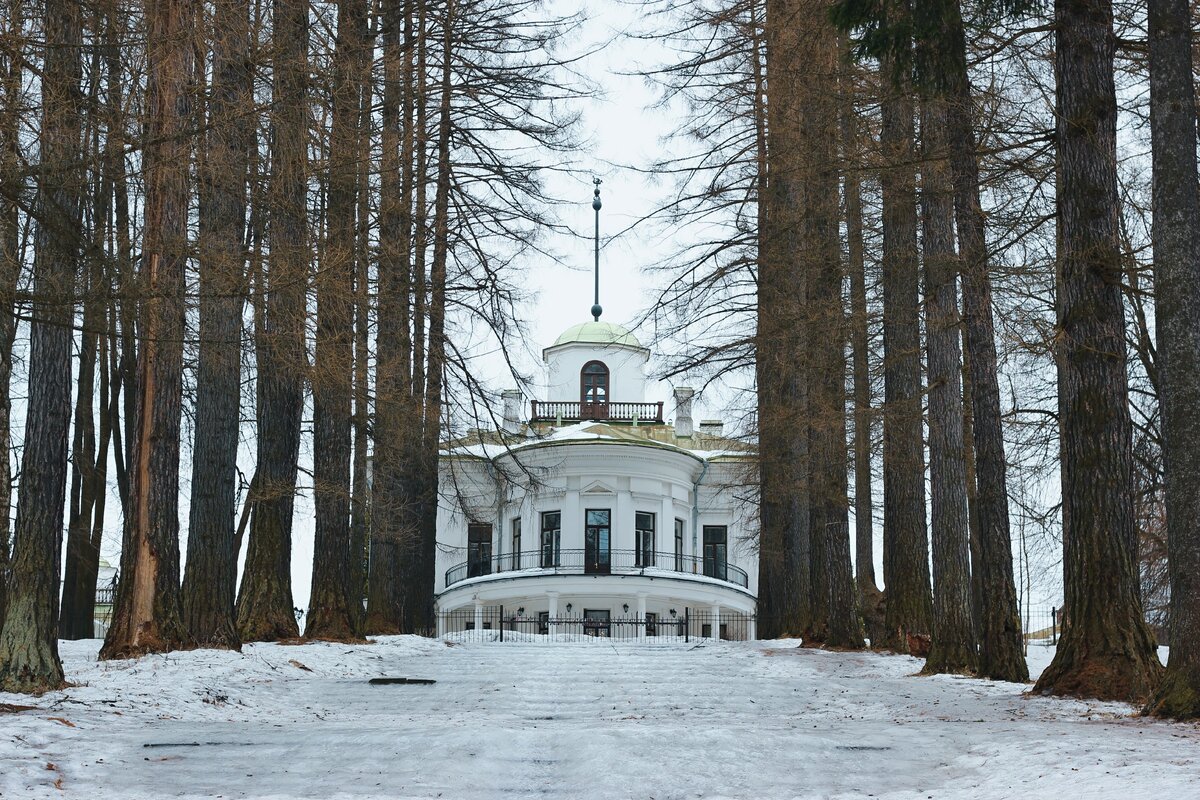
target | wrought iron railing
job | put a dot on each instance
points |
(497, 623)
(572, 411)
(589, 562)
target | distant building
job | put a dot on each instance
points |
(591, 506)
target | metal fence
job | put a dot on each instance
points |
(583, 562)
(1042, 625)
(496, 624)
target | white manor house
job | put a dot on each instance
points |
(593, 513)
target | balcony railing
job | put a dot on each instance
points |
(571, 411)
(589, 562)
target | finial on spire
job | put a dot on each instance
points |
(596, 204)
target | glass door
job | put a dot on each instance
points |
(597, 541)
(715, 551)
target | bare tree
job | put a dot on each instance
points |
(147, 615)
(29, 659)
(1106, 649)
(210, 579)
(952, 648)
(264, 606)
(1177, 304)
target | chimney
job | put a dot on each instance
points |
(512, 410)
(683, 411)
(712, 427)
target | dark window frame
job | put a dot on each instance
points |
(592, 626)
(678, 544)
(550, 540)
(602, 563)
(595, 385)
(716, 552)
(479, 550)
(644, 538)
(515, 557)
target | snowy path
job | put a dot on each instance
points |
(571, 721)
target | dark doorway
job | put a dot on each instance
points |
(597, 541)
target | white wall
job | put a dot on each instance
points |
(626, 369)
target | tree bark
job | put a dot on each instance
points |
(395, 419)
(1106, 650)
(1001, 652)
(210, 579)
(29, 659)
(10, 275)
(417, 608)
(265, 607)
(870, 598)
(952, 648)
(783, 590)
(1176, 233)
(147, 615)
(905, 542)
(835, 623)
(330, 614)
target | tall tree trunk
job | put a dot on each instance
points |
(870, 598)
(10, 271)
(360, 492)
(331, 615)
(1106, 650)
(953, 645)
(210, 578)
(832, 576)
(264, 607)
(784, 553)
(147, 616)
(29, 659)
(1177, 309)
(1001, 653)
(394, 403)
(905, 542)
(418, 606)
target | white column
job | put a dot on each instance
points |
(641, 596)
(716, 621)
(572, 521)
(665, 533)
(441, 622)
(552, 597)
(622, 522)
(753, 630)
(478, 616)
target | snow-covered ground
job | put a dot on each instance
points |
(589, 720)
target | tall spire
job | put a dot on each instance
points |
(596, 309)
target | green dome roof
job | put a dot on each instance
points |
(598, 333)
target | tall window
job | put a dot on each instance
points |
(516, 543)
(597, 541)
(644, 529)
(715, 555)
(479, 550)
(551, 530)
(679, 545)
(593, 384)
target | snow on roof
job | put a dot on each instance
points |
(492, 444)
(594, 332)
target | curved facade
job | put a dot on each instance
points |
(600, 510)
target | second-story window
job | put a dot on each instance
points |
(593, 384)
(479, 550)
(551, 531)
(516, 543)
(644, 529)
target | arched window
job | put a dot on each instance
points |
(593, 384)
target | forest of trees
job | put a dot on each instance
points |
(961, 237)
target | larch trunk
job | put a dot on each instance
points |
(1106, 650)
(29, 659)
(952, 648)
(1177, 309)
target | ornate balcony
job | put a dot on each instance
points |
(585, 562)
(574, 411)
